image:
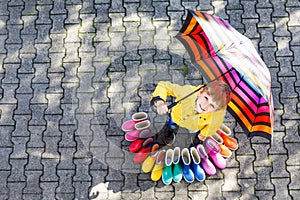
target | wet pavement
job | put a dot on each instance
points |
(73, 71)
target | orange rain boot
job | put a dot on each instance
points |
(224, 150)
(228, 141)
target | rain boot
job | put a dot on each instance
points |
(213, 151)
(135, 118)
(224, 150)
(195, 165)
(206, 164)
(229, 142)
(187, 172)
(167, 174)
(195, 141)
(144, 134)
(225, 129)
(135, 146)
(134, 134)
(142, 154)
(166, 135)
(150, 160)
(158, 167)
(177, 170)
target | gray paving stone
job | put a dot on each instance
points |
(86, 47)
(37, 115)
(51, 147)
(230, 180)
(246, 167)
(265, 19)
(58, 8)
(65, 181)
(281, 184)
(19, 150)
(87, 23)
(17, 170)
(3, 184)
(72, 55)
(131, 196)
(265, 194)
(145, 6)
(15, 189)
(43, 14)
(36, 132)
(294, 172)
(15, 14)
(21, 121)
(80, 192)
(5, 156)
(279, 10)
(249, 9)
(65, 161)
(296, 60)
(279, 166)
(28, 43)
(282, 49)
(29, 8)
(266, 35)
(62, 196)
(264, 4)
(160, 8)
(10, 75)
(292, 153)
(263, 178)
(131, 11)
(290, 109)
(278, 146)
(48, 189)
(82, 168)
(14, 34)
(42, 53)
(12, 56)
(6, 110)
(34, 158)
(247, 188)
(32, 182)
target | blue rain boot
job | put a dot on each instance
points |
(188, 174)
(195, 165)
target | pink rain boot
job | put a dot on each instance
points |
(133, 135)
(213, 150)
(206, 164)
(135, 118)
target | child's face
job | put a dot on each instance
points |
(205, 104)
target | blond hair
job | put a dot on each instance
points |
(219, 92)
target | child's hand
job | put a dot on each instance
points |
(201, 137)
(162, 108)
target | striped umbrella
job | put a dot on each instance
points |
(220, 51)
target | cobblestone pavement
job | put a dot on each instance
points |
(72, 71)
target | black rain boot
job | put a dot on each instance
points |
(166, 136)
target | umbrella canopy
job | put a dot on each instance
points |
(221, 52)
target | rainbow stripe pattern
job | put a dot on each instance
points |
(221, 52)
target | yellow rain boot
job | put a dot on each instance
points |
(150, 160)
(158, 167)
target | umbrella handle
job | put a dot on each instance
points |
(172, 105)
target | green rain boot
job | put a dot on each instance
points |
(167, 175)
(177, 170)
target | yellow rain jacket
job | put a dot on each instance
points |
(184, 113)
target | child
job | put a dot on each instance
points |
(203, 112)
